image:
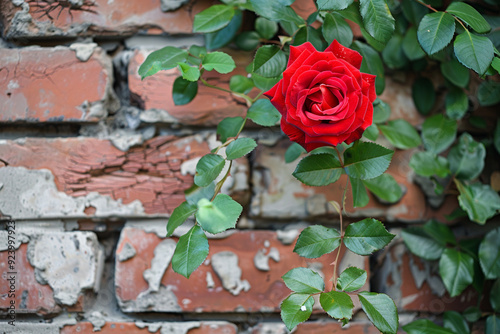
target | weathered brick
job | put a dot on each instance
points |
(219, 285)
(187, 327)
(278, 194)
(154, 94)
(52, 85)
(317, 327)
(110, 18)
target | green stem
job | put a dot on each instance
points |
(342, 206)
(243, 96)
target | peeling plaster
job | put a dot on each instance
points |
(210, 280)
(164, 300)
(288, 234)
(162, 256)
(4, 240)
(83, 50)
(261, 259)
(225, 265)
(97, 320)
(169, 5)
(128, 251)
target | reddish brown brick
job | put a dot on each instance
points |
(52, 85)
(111, 327)
(318, 327)
(267, 289)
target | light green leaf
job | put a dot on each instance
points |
(424, 326)
(188, 72)
(457, 103)
(366, 160)
(478, 200)
(381, 311)
(381, 111)
(184, 91)
(411, 47)
(218, 39)
(424, 95)
(493, 325)
(435, 31)
(457, 271)
(218, 61)
(467, 158)
(317, 240)
(276, 11)
(248, 40)
(337, 304)
(335, 27)
(318, 170)
(208, 168)
(295, 309)
(229, 127)
(190, 252)
(264, 83)
(240, 84)
(303, 280)
(488, 93)
(293, 152)
(333, 4)
(213, 18)
(263, 113)
(359, 194)
(385, 188)
(372, 64)
(495, 296)
(474, 52)
(163, 59)
(265, 28)
(455, 72)
(371, 132)
(377, 19)
(219, 215)
(195, 193)
(469, 15)
(352, 279)
(438, 133)
(428, 164)
(269, 61)
(367, 236)
(489, 254)
(240, 147)
(422, 244)
(401, 134)
(455, 322)
(179, 216)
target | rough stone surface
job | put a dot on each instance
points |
(229, 264)
(52, 85)
(187, 327)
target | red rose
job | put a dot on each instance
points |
(323, 98)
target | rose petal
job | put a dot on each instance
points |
(296, 51)
(294, 133)
(350, 56)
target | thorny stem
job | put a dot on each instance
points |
(342, 207)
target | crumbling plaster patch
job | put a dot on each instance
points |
(225, 265)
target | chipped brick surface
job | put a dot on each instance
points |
(154, 94)
(219, 285)
(52, 85)
(317, 327)
(278, 194)
(111, 18)
(189, 327)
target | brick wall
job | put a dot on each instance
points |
(93, 161)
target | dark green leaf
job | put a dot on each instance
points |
(455, 72)
(311, 35)
(455, 322)
(423, 95)
(467, 158)
(381, 311)
(276, 11)
(317, 240)
(435, 31)
(495, 296)
(333, 4)
(428, 164)
(240, 84)
(218, 61)
(318, 170)
(195, 193)
(479, 201)
(184, 91)
(457, 271)
(469, 15)
(488, 93)
(219, 215)
(337, 304)
(366, 236)
(401, 134)
(457, 103)
(493, 325)
(474, 52)
(440, 232)
(359, 194)
(438, 133)
(352, 13)
(335, 27)
(424, 326)
(385, 188)
(263, 83)
(352, 279)
(422, 244)
(179, 216)
(229, 127)
(381, 111)
(489, 254)
(269, 61)
(163, 59)
(265, 28)
(472, 314)
(293, 152)
(411, 47)
(208, 168)
(372, 63)
(303, 280)
(413, 11)
(220, 38)
(190, 252)
(393, 53)
(248, 40)
(240, 147)
(264, 113)
(188, 72)
(295, 309)
(366, 160)
(377, 19)
(213, 18)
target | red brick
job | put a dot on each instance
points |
(267, 289)
(318, 327)
(112, 18)
(112, 327)
(209, 106)
(52, 85)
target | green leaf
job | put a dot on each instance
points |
(217, 39)
(478, 200)
(317, 240)
(411, 47)
(335, 27)
(263, 113)
(311, 35)
(372, 64)
(413, 11)
(457, 103)
(229, 127)
(219, 215)
(265, 28)
(337, 304)
(295, 309)
(438, 133)
(184, 91)
(455, 72)
(208, 168)
(303, 280)
(367, 236)
(371, 132)
(496, 137)
(435, 31)
(401, 134)
(240, 84)
(190, 252)
(163, 59)
(248, 40)
(393, 53)
(474, 52)
(455, 322)
(269, 61)
(428, 164)
(318, 170)
(424, 326)
(457, 271)
(213, 18)
(195, 193)
(188, 72)
(493, 325)
(424, 95)
(240, 147)
(352, 279)
(293, 152)
(218, 61)
(377, 19)
(440, 232)
(276, 11)
(366, 160)
(385, 188)
(420, 243)
(469, 15)
(488, 93)
(263, 83)
(489, 254)
(467, 158)
(381, 311)
(381, 111)
(472, 314)
(495, 296)
(359, 194)
(333, 4)
(179, 216)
